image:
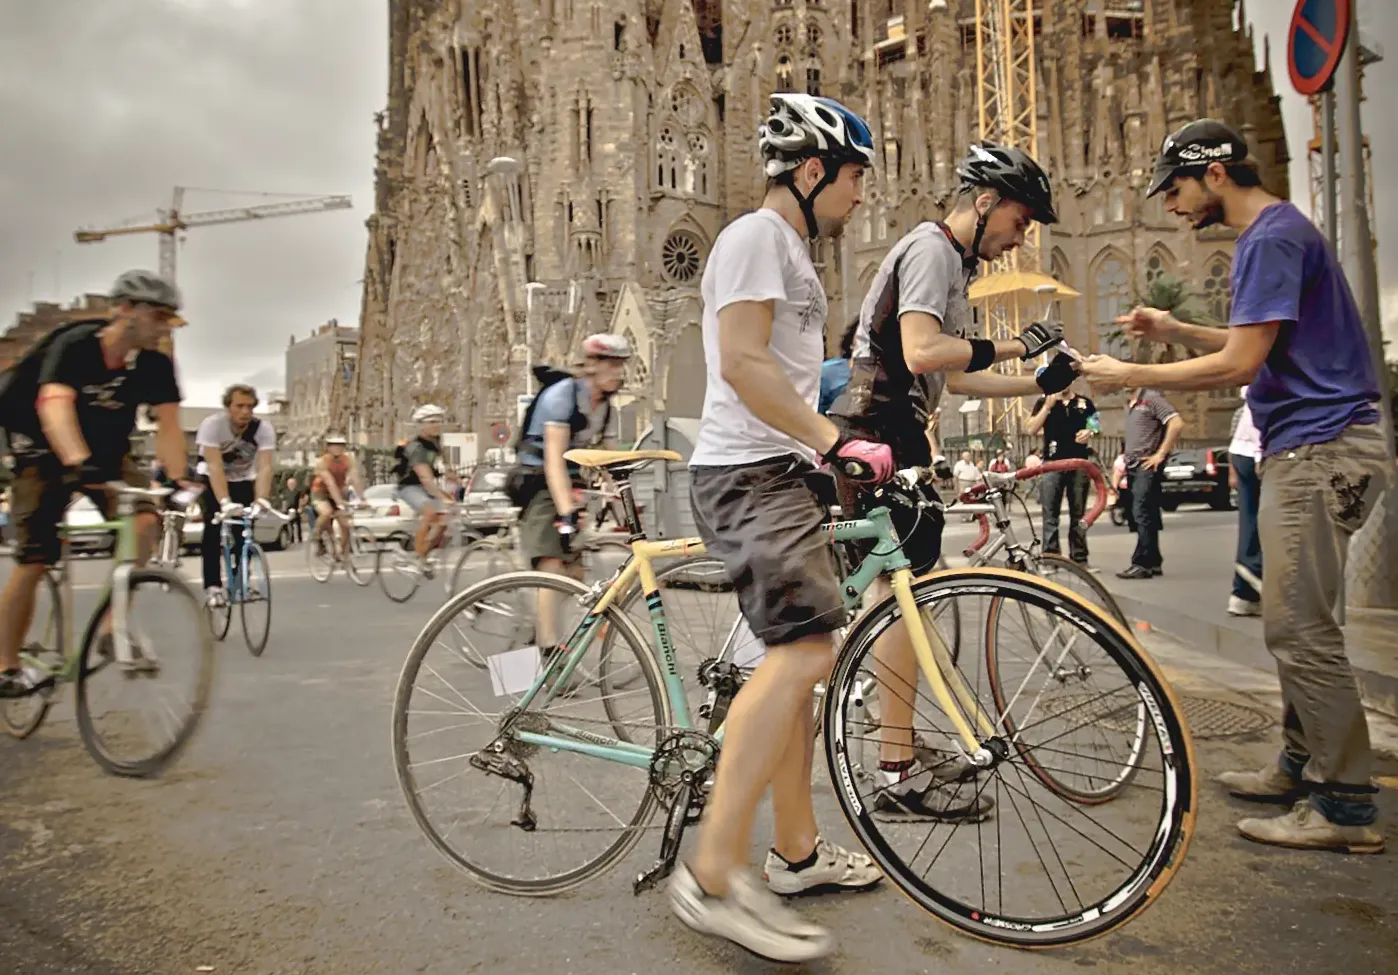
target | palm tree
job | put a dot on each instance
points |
(1169, 293)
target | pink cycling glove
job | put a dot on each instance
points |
(861, 460)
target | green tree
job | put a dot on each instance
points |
(1169, 293)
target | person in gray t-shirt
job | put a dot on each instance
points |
(1152, 427)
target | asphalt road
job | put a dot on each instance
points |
(281, 844)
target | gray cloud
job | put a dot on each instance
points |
(108, 105)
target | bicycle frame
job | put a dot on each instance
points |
(887, 558)
(236, 592)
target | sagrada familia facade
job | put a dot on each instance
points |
(551, 168)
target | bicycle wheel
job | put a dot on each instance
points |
(320, 562)
(220, 613)
(398, 572)
(1111, 750)
(164, 614)
(363, 556)
(459, 761)
(256, 607)
(701, 612)
(480, 560)
(1042, 870)
(42, 647)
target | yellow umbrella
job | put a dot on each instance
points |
(1009, 282)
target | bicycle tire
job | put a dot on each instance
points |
(151, 765)
(23, 716)
(1167, 840)
(320, 566)
(250, 585)
(498, 558)
(1101, 595)
(220, 616)
(382, 575)
(629, 836)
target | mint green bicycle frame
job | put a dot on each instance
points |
(124, 557)
(886, 557)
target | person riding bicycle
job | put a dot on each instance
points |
(764, 327)
(420, 487)
(569, 414)
(334, 472)
(69, 410)
(236, 450)
(914, 341)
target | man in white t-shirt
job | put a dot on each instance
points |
(764, 326)
(235, 451)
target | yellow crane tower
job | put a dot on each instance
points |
(1009, 296)
(173, 220)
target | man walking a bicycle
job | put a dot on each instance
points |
(235, 464)
(913, 342)
(69, 408)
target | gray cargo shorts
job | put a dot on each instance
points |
(764, 522)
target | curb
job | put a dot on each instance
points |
(1242, 644)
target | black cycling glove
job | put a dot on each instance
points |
(1039, 338)
(1058, 375)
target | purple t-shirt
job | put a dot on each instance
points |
(1319, 378)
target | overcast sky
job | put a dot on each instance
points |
(108, 104)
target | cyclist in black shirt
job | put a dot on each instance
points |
(420, 487)
(70, 429)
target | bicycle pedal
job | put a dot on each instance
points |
(647, 881)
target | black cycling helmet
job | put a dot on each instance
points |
(1013, 174)
(1189, 151)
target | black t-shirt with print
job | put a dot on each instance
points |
(1061, 426)
(107, 398)
(420, 450)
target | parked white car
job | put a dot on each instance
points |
(487, 508)
(387, 517)
(83, 514)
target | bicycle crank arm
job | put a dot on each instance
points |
(675, 824)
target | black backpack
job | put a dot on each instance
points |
(19, 385)
(400, 462)
(248, 435)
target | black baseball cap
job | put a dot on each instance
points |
(1189, 151)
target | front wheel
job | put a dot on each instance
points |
(320, 555)
(399, 573)
(363, 556)
(173, 666)
(1060, 872)
(256, 605)
(43, 647)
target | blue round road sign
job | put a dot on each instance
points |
(1316, 42)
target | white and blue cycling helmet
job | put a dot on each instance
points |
(801, 126)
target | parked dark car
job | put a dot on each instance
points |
(1197, 476)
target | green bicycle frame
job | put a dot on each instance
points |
(124, 527)
(886, 557)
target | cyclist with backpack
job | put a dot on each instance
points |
(420, 484)
(69, 407)
(235, 450)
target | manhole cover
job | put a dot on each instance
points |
(1211, 718)
(1207, 717)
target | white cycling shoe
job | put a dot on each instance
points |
(835, 869)
(749, 916)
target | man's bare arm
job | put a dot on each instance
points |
(1037, 420)
(169, 440)
(264, 474)
(213, 459)
(1232, 364)
(926, 348)
(58, 418)
(992, 384)
(557, 438)
(746, 364)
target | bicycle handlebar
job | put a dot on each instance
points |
(252, 512)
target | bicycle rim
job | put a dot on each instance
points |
(321, 565)
(23, 716)
(480, 561)
(1113, 766)
(180, 643)
(256, 606)
(456, 804)
(398, 573)
(1135, 844)
(220, 617)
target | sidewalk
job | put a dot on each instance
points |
(1189, 602)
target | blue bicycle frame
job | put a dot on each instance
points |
(237, 585)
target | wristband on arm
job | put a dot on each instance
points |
(982, 355)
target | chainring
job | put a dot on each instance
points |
(686, 757)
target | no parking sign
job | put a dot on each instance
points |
(1316, 42)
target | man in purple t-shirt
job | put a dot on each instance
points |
(1295, 336)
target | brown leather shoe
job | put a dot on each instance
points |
(1304, 828)
(1270, 784)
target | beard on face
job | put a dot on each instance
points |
(1209, 213)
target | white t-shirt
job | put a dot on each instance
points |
(966, 472)
(239, 456)
(1247, 442)
(760, 257)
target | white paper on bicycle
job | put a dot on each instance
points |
(514, 671)
(747, 650)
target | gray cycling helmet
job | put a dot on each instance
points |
(147, 287)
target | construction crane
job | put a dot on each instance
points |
(173, 220)
(1007, 102)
